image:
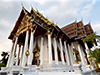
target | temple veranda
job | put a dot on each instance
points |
(40, 47)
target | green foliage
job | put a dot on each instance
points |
(2, 65)
(95, 54)
(89, 38)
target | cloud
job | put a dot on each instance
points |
(5, 23)
(87, 8)
(67, 11)
(6, 5)
(96, 27)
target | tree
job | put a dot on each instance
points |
(2, 65)
(4, 57)
(95, 54)
(90, 38)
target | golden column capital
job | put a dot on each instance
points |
(77, 42)
(49, 32)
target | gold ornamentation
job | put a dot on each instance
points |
(90, 62)
(33, 31)
(76, 61)
(26, 64)
(37, 57)
(52, 22)
(77, 42)
(27, 53)
(87, 63)
(49, 23)
(56, 24)
(36, 48)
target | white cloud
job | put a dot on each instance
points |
(63, 12)
(87, 8)
(5, 23)
(96, 27)
(6, 5)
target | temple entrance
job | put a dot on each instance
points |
(35, 59)
(77, 55)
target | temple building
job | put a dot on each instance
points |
(41, 47)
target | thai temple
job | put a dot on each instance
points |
(41, 47)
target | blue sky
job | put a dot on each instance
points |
(62, 11)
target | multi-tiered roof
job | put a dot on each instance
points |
(77, 30)
(34, 18)
(74, 30)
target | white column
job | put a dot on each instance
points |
(73, 59)
(55, 51)
(15, 45)
(21, 54)
(41, 52)
(80, 52)
(66, 54)
(70, 54)
(61, 49)
(94, 44)
(9, 59)
(86, 49)
(87, 58)
(50, 49)
(18, 55)
(86, 45)
(83, 54)
(31, 48)
(25, 48)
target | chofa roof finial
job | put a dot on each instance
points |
(89, 22)
(22, 5)
(82, 19)
(76, 20)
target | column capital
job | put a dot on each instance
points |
(77, 42)
(33, 29)
(55, 35)
(49, 32)
(13, 40)
(27, 28)
(20, 44)
(60, 38)
(17, 34)
(65, 41)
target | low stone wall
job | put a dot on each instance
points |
(90, 72)
(3, 73)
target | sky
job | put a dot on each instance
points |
(62, 12)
